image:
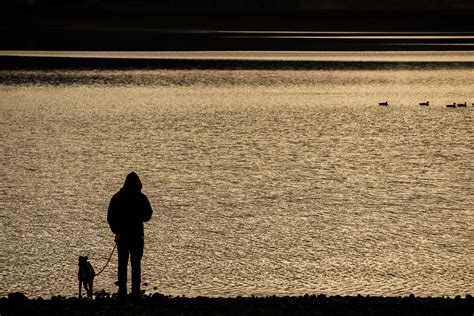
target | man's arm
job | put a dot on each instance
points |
(111, 217)
(147, 210)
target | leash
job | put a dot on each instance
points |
(110, 257)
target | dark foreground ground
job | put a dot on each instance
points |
(158, 304)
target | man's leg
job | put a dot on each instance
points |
(136, 254)
(122, 249)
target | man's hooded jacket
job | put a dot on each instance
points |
(128, 209)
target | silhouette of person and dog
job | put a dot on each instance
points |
(128, 209)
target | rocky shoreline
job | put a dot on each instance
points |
(159, 304)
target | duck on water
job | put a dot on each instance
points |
(383, 103)
(425, 103)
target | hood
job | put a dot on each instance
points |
(132, 182)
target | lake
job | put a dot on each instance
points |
(263, 182)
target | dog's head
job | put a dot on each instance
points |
(83, 261)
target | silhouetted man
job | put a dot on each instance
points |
(128, 209)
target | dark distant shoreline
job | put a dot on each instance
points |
(158, 304)
(97, 63)
(151, 39)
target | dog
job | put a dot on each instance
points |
(86, 276)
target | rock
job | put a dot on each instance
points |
(17, 297)
(158, 297)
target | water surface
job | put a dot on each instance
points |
(263, 182)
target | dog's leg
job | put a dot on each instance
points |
(92, 287)
(88, 289)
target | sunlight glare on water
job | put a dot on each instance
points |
(263, 182)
